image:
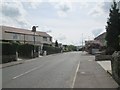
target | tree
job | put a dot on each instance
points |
(113, 28)
(56, 43)
(72, 48)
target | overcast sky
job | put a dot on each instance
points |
(68, 21)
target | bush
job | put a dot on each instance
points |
(25, 50)
(8, 52)
(36, 48)
(51, 50)
(109, 51)
(102, 48)
(72, 48)
(36, 51)
(9, 49)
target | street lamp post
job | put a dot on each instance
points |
(34, 30)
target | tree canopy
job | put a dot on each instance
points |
(113, 28)
(56, 43)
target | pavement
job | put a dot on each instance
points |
(20, 61)
(92, 75)
(11, 64)
(105, 64)
(66, 70)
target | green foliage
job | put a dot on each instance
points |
(8, 48)
(109, 51)
(72, 48)
(25, 50)
(36, 48)
(113, 28)
(47, 44)
(94, 45)
(68, 48)
(65, 48)
(51, 50)
(56, 43)
(8, 52)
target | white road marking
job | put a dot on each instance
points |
(25, 73)
(75, 75)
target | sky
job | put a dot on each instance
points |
(68, 21)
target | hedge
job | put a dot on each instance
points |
(8, 48)
(25, 50)
(8, 52)
(51, 50)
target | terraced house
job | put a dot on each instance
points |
(25, 36)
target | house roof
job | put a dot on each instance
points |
(22, 31)
(100, 36)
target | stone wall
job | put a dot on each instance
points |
(115, 64)
(100, 57)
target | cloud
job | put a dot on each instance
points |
(45, 29)
(13, 13)
(63, 7)
(67, 31)
(119, 4)
(106, 6)
(61, 37)
(10, 11)
(49, 31)
(100, 8)
(34, 3)
(96, 32)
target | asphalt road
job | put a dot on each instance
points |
(52, 71)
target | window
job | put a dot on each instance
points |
(44, 38)
(50, 39)
(15, 36)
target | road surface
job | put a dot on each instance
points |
(52, 71)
